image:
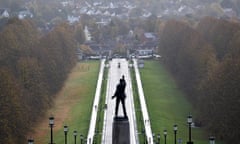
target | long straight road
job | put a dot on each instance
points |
(114, 75)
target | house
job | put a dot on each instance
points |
(229, 12)
(144, 52)
(73, 19)
(148, 37)
(25, 14)
(87, 34)
(4, 13)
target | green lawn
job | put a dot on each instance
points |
(81, 111)
(167, 105)
(73, 104)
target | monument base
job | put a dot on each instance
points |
(120, 131)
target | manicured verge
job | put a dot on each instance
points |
(100, 116)
(138, 112)
(167, 104)
(73, 105)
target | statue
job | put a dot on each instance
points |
(120, 96)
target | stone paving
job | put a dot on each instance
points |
(114, 75)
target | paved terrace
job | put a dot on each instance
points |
(114, 75)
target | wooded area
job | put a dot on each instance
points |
(33, 67)
(205, 62)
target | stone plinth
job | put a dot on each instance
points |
(120, 132)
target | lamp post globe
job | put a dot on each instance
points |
(175, 128)
(65, 129)
(30, 141)
(51, 121)
(189, 119)
(165, 136)
(211, 140)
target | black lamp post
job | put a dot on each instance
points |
(158, 138)
(65, 129)
(30, 141)
(153, 137)
(175, 128)
(165, 136)
(211, 140)
(189, 121)
(144, 136)
(82, 138)
(51, 123)
(75, 136)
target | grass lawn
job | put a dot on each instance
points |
(167, 105)
(73, 105)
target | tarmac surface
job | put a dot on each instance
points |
(114, 75)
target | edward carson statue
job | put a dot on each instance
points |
(120, 96)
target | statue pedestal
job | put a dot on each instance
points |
(120, 131)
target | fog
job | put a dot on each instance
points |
(72, 10)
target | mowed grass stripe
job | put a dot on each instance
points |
(73, 104)
(167, 105)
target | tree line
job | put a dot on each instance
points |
(204, 59)
(33, 67)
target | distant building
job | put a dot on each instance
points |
(87, 34)
(25, 14)
(4, 13)
(73, 19)
(229, 12)
(148, 37)
(144, 52)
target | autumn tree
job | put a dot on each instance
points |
(59, 48)
(220, 100)
(13, 126)
(32, 70)
(186, 54)
(218, 33)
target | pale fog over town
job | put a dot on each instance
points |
(103, 11)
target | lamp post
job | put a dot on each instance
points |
(75, 136)
(211, 140)
(144, 136)
(153, 137)
(30, 141)
(175, 128)
(158, 138)
(65, 129)
(51, 123)
(189, 121)
(165, 136)
(82, 138)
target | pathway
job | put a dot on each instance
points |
(147, 124)
(114, 75)
(93, 120)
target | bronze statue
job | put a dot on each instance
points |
(120, 96)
